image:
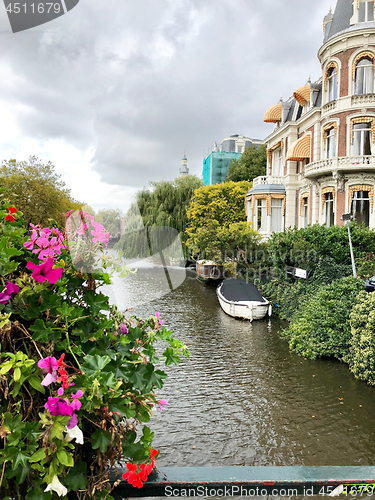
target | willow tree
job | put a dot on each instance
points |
(37, 191)
(163, 205)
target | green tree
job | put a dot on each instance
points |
(251, 164)
(217, 221)
(37, 191)
(165, 204)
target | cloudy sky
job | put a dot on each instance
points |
(115, 91)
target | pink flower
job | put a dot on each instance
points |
(157, 315)
(45, 272)
(60, 391)
(162, 403)
(49, 366)
(124, 329)
(75, 404)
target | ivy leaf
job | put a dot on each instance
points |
(101, 439)
(20, 458)
(76, 479)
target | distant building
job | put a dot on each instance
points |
(321, 153)
(184, 168)
(216, 164)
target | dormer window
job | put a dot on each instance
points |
(365, 11)
(364, 76)
(332, 84)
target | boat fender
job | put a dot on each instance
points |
(269, 310)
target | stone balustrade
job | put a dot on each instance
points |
(267, 179)
(344, 164)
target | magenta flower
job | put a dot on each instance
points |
(124, 329)
(162, 403)
(58, 406)
(157, 315)
(72, 422)
(49, 366)
(4, 298)
(60, 391)
(11, 288)
(45, 272)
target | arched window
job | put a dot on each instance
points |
(332, 84)
(364, 76)
(365, 11)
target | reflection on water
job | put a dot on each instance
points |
(243, 399)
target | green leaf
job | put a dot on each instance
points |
(101, 439)
(35, 382)
(38, 456)
(5, 367)
(17, 373)
(76, 479)
(65, 458)
(95, 364)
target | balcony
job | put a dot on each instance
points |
(267, 179)
(330, 106)
(363, 99)
(344, 164)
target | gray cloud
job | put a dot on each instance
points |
(143, 82)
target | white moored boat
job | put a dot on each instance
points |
(241, 299)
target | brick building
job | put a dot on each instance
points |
(321, 153)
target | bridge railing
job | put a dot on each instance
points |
(349, 481)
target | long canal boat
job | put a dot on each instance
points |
(208, 271)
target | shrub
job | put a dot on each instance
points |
(78, 378)
(322, 326)
(361, 357)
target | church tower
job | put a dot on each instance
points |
(184, 168)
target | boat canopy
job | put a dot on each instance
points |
(240, 290)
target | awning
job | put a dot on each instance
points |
(273, 114)
(302, 95)
(299, 150)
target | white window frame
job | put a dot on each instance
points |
(332, 84)
(261, 215)
(368, 12)
(277, 163)
(276, 212)
(364, 67)
(330, 143)
(359, 138)
(329, 209)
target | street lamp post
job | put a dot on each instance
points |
(347, 218)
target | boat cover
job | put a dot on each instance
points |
(238, 290)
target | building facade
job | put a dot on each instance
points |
(216, 164)
(321, 153)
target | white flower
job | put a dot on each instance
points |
(74, 433)
(57, 486)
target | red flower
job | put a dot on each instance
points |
(153, 454)
(10, 216)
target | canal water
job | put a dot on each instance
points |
(243, 398)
